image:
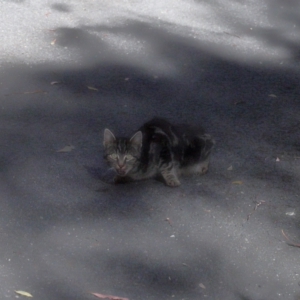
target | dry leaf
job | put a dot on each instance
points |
(24, 294)
(55, 82)
(273, 96)
(230, 168)
(92, 88)
(66, 149)
(277, 159)
(237, 182)
(101, 296)
(169, 221)
(290, 213)
(202, 286)
(53, 42)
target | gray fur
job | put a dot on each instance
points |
(158, 149)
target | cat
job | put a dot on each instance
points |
(158, 150)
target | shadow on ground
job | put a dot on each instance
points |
(86, 235)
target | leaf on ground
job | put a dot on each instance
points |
(239, 102)
(169, 221)
(290, 213)
(273, 96)
(230, 168)
(110, 297)
(55, 82)
(53, 42)
(26, 294)
(237, 182)
(202, 286)
(66, 149)
(92, 88)
(277, 159)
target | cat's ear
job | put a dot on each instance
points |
(109, 137)
(137, 139)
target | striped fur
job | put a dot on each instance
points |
(158, 149)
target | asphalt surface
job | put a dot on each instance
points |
(69, 69)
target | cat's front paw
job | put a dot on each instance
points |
(173, 182)
(170, 178)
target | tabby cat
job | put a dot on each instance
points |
(158, 149)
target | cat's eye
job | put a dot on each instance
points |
(113, 156)
(129, 157)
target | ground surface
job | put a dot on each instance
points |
(71, 68)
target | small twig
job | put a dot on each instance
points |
(232, 34)
(24, 93)
(35, 92)
(283, 233)
(255, 208)
(289, 241)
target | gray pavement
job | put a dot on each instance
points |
(69, 69)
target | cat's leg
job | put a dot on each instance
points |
(170, 175)
(208, 143)
(202, 167)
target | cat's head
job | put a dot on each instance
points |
(122, 154)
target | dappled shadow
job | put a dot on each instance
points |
(144, 238)
(61, 7)
(15, 1)
(252, 105)
(279, 32)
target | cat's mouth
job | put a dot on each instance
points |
(121, 172)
